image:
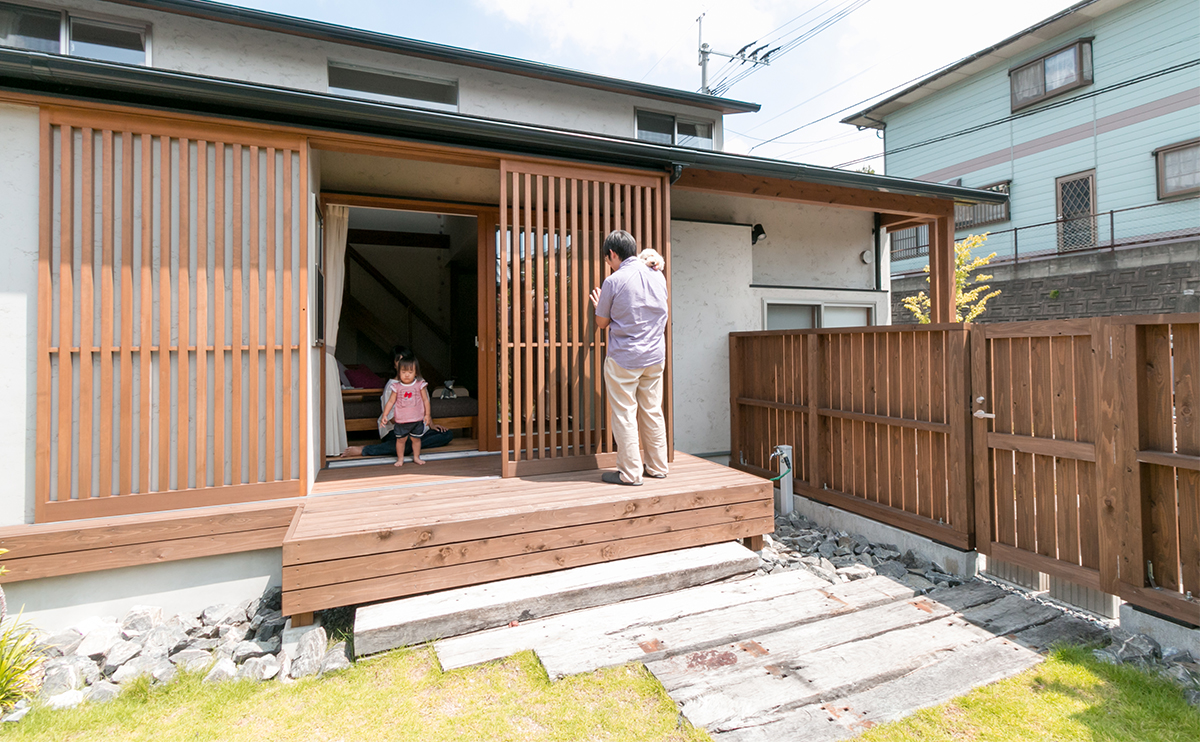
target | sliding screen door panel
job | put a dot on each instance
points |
(553, 221)
(172, 296)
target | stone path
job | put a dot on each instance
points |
(789, 656)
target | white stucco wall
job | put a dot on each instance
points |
(710, 286)
(722, 284)
(186, 586)
(234, 52)
(18, 309)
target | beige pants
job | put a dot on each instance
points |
(635, 400)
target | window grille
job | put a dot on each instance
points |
(969, 216)
(910, 243)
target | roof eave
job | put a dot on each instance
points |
(131, 85)
(440, 52)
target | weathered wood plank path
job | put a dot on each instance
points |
(789, 656)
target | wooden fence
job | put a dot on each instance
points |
(1070, 447)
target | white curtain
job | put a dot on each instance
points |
(337, 222)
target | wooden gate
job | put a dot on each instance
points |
(553, 221)
(172, 295)
(1035, 460)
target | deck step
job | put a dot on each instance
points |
(422, 618)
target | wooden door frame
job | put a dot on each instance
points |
(483, 214)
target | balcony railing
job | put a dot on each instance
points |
(1107, 230)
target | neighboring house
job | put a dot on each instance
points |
(1090, 121)
(205, 208)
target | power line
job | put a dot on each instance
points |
(854, 105)
(1023, 114)
(818, 95)
(821, 23)
(664, 56)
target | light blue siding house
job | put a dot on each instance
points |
(1090, 120)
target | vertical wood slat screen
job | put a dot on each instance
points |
(172, 313)
(876, 417)
(552, 410)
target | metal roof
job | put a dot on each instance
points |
(411, 47)
(1012, 47)
(108, 82)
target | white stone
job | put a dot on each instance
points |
(99, 640)
(223, 670)
(65, 700)
(142, 618)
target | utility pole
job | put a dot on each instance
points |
(741, 56)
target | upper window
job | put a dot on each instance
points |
(663, 128)
(111, 42)
(30, 28)
(967, 216)
(357, 82)
(1178, 168)
(57, 32)
(1054, 74)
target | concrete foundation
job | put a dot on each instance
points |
(962, 563)
(1167, 633)
(186, 586)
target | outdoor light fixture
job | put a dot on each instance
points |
(757, 234)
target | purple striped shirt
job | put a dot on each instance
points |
(634, 298)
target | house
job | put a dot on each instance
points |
(208, 209)
(1090, 121)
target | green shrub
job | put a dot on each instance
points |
(19, 657)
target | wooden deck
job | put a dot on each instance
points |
(372, 535)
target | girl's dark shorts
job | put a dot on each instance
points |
(416, 430)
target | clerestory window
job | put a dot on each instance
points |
(59, 32)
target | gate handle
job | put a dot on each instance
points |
(984, 415)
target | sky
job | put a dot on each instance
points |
(877, 46)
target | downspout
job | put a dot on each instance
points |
(878, 251)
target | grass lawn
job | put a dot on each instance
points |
(401, 695)
(1071, 696)
(404, 695)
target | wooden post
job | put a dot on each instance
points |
(1119, 513)
(941, 270)
(981, 471)
(735, 391)
(813, 453)
(958, 410)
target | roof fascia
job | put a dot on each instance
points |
(427, 50)
(111, 83)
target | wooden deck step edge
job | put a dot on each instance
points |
(449, 613)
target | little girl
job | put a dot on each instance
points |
(408, 401)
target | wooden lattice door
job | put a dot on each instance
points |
(172, 314)
(553, 221)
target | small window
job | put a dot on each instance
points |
(30, 28)
(967, 216)
(792, 316)
(910, 243)
(1178, 169)
(694, 135)
(661, 128)
(1058, 72)
(835, 315)
(655, 127)
(388, 87)
(110, 42)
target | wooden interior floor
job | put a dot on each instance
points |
(376, 534)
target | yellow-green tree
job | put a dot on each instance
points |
(971, 294)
